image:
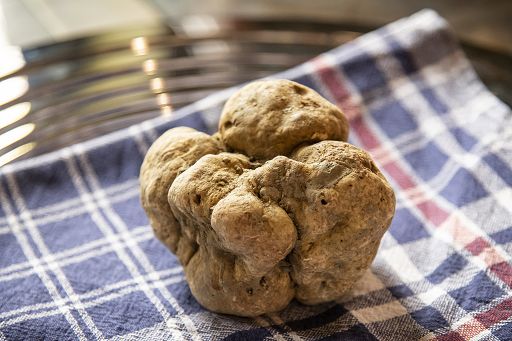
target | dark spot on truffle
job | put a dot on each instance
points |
(299, 90)
(323, 201)
(197, 199)
(249, 291)
(228, 125)
(263, 282)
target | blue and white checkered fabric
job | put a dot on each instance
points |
(79, 261)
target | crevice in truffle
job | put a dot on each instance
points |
(299, 90)
(263, 282)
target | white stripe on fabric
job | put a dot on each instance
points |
(110, 234)
(74, 207)
(74, 256)
(378, 313)
(50, 260)
(30, 255)
(138, 135)
(157, 332)
(504, 197)
(95, 302)
(148, 128)
(94, 294)
(121, 227)
(119, 224)
(399, 261)
(431, 295)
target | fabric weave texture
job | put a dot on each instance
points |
(78, 259)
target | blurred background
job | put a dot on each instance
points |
(73, 70)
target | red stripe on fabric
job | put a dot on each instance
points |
(365, 135)
(435, 214)
(491, 257)
(400, 176)
(470, 329)
(451, 336)
(331, 78)
(504, 271)
(339, 91)
(460, 233)
(497, 314)
(480, 322)
(477, 246)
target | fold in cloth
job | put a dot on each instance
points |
(78, 259)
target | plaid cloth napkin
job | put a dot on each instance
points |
(79, 261)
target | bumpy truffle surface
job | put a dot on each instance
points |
(270, 118)
(275, 206)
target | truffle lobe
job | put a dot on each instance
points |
(173, 152)
(271, 117)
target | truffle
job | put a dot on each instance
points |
(274, 206)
